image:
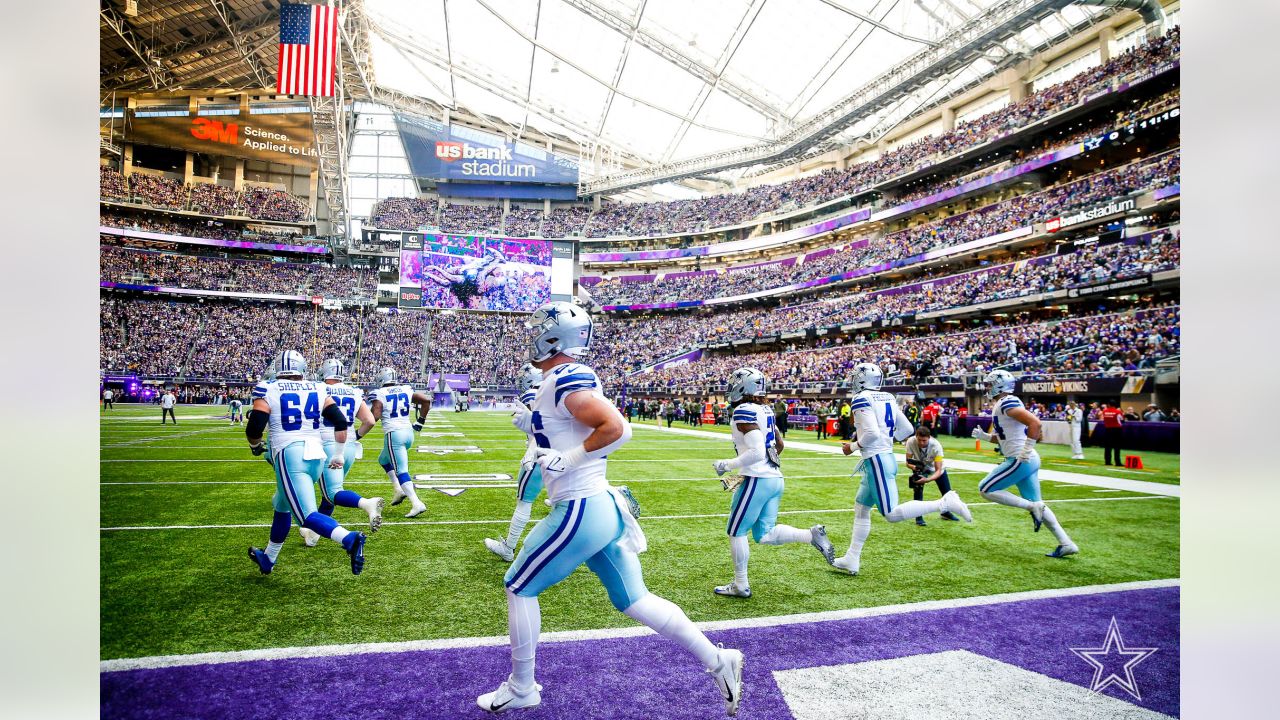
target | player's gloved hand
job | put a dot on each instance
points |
(980, 434)
(336, 462)
(554, 461)
(721, 467)
(257, 449)
(523, 420)
(417, 427)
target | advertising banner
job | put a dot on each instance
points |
(444, 152)
(1083, 386)
(286, 138)
(1091, 213)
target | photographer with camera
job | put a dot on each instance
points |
(924, 457)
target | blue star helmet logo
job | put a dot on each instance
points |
(552, 313)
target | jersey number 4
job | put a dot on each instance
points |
(293, 410)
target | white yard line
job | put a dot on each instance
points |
(645, 518)
(1142, 486)
(349, 481)
(216, 658)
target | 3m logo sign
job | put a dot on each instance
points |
(215, 131)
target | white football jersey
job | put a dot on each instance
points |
(892, 424)
(349, 400)
(295, 410)
(555, 428)
(527, 398)
(396, 406)
(1011, 433)
(763, 417)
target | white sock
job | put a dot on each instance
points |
(861, 530)
(273, 550)
(913, 509)
(524, 621)
(1004, 497)
(339, 534)
(741, 551)
(394, 478)
(407, 488)
(669, 621)
(1052, 521)
(519, 519)
(368, 505)
(783, 534)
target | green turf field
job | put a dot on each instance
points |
(186, 586)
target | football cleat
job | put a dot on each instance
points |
(1063, 550)
(310, 538)
(920, 521)
(949, 516)
(820, 540)
(952, 503)
(732, 590)
(375, 517)
(728, 677)
(417, 510)
(506, 698)
(260, 557)
(1037, 516)
(356, 551)
(850, 566)
(499, 548)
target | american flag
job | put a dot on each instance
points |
(308, 48)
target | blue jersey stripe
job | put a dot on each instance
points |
(576, 377)
(860, 404)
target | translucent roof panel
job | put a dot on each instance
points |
(656, 80)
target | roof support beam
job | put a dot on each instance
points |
(155, 68)
(251, 59)
(622, 64)
(667, 50)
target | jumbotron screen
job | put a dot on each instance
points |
(473, 272)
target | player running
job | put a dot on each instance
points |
(1018, 430)
(293, 408)
(351, 402)
(575, 427)
(878, 422)
(390, 403)
(759, 489)
(529, 485)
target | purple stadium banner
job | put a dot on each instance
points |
(243, 244)
(685, 359)
(459, 381)
(1167, 192)
(215, 293)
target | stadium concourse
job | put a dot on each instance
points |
(1013, 216)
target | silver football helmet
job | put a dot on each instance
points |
(528, 377)
(746, 382)
(386, 376)
(290, 363)
(561, 327)
(333, 369)
(999, 382)
(867, 376)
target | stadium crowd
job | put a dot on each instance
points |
(158, 191)
(460, 218)
(902, 245)
(120, 265)
(202, 228)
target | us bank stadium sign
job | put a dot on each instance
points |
(1097, 211)
(443, 152)
(286, 138)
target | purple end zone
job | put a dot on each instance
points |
(647, 677)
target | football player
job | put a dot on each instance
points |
(391, 402)
(1017, 431)
(877, 423)
(351, 402)
(234, 405)
(529, 484)
(755, 501)
(293, 408)
(575, 427)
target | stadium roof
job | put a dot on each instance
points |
(665, 80)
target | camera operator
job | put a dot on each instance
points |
(924, 457)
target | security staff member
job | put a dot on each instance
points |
(924, 457)
(1112, 428)
(912, 411)
(780, 416)
(846, 424)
